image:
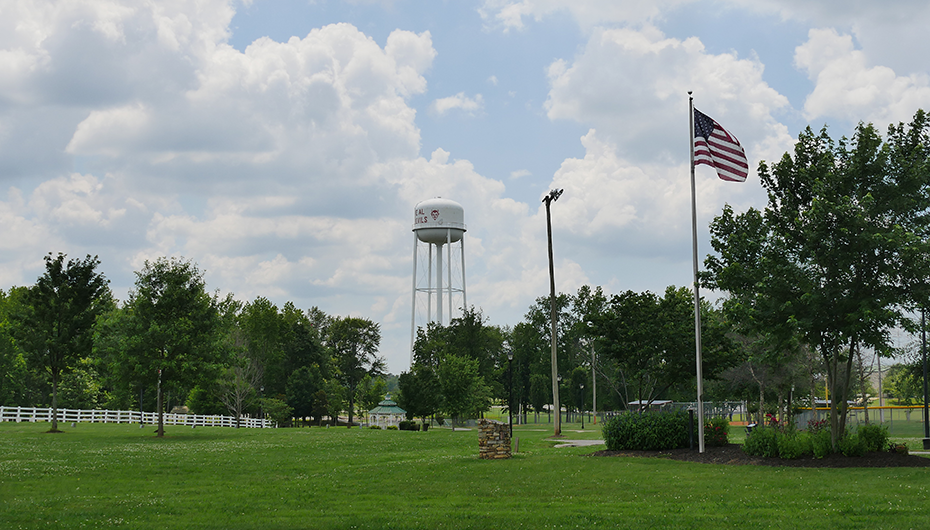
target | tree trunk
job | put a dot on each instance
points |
(844, 405)
(830, 361)
(54, 403)
(865, 399)
(816, 414)
(761, 404)
(161, 413)
(351, 408)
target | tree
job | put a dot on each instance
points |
(463, 389)
(56, 328)
(277, 410)
(239, 382)
(14, 373)
(540, 392)
(840, 251)
(354, 343)
(370, 392)
(470, 336)
(420, 392)
(321, 406)
(903, 385)
(264, 333)
(650, 339)
(172, 326)
(303, 387)
(303, 344)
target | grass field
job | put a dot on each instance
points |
(103, 475)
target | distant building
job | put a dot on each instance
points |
(387, 413)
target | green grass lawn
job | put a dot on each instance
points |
(97, 475)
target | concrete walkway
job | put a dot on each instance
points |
(579, 443)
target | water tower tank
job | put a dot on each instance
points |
(438, 221)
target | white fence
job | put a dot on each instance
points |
(31, 414)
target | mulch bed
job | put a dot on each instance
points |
(733, 455)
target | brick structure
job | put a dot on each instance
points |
(493, 440)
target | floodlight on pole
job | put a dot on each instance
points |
(510, 384)
(549, 199)
(581, 409)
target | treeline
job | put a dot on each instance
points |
(638, 346)
(67, 342)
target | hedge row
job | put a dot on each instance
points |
(649, 431)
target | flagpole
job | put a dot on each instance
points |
(697, 296)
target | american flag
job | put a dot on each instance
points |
(717, 148)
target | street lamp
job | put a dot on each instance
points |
(510, 390)
(581, 408)
(923, 348)
(549, 199)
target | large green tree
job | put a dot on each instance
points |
(839, 253)
(650, 342)
(464, 391)
(171, 328)
(56, 328)
(302, 387)
(15, 376)
(420, 393)
(354, 343)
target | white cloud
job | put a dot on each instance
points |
(519, 173)
(847, 87)
(459, 101)
(889, 33)
(510, 14)
(632, 85)
(333, 94)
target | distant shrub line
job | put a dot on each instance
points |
(786, 442)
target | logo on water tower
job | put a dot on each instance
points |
(434, 214)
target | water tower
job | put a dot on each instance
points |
(438, 223)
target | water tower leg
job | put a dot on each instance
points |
(464, 296)
(429, 285)
(449, 266)
(439, 284)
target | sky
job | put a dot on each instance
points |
(283, 145)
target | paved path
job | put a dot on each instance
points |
(579, 443)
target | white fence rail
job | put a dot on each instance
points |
(32, 414)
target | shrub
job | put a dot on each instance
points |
(874, 436)
(815, 426)
(716, 432)
(277, 410)
(392, 428)
(762, 441)
(408, 425)
(852, 445)
(821, 443)
(649, 431)
(793, 444)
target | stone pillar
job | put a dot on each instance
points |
(493, 440)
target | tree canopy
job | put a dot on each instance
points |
(171, 327)
(59, 312)
(839, 254)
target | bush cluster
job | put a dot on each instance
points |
(409, 425)
(648, 431)
(816, 442)
(716, 432)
